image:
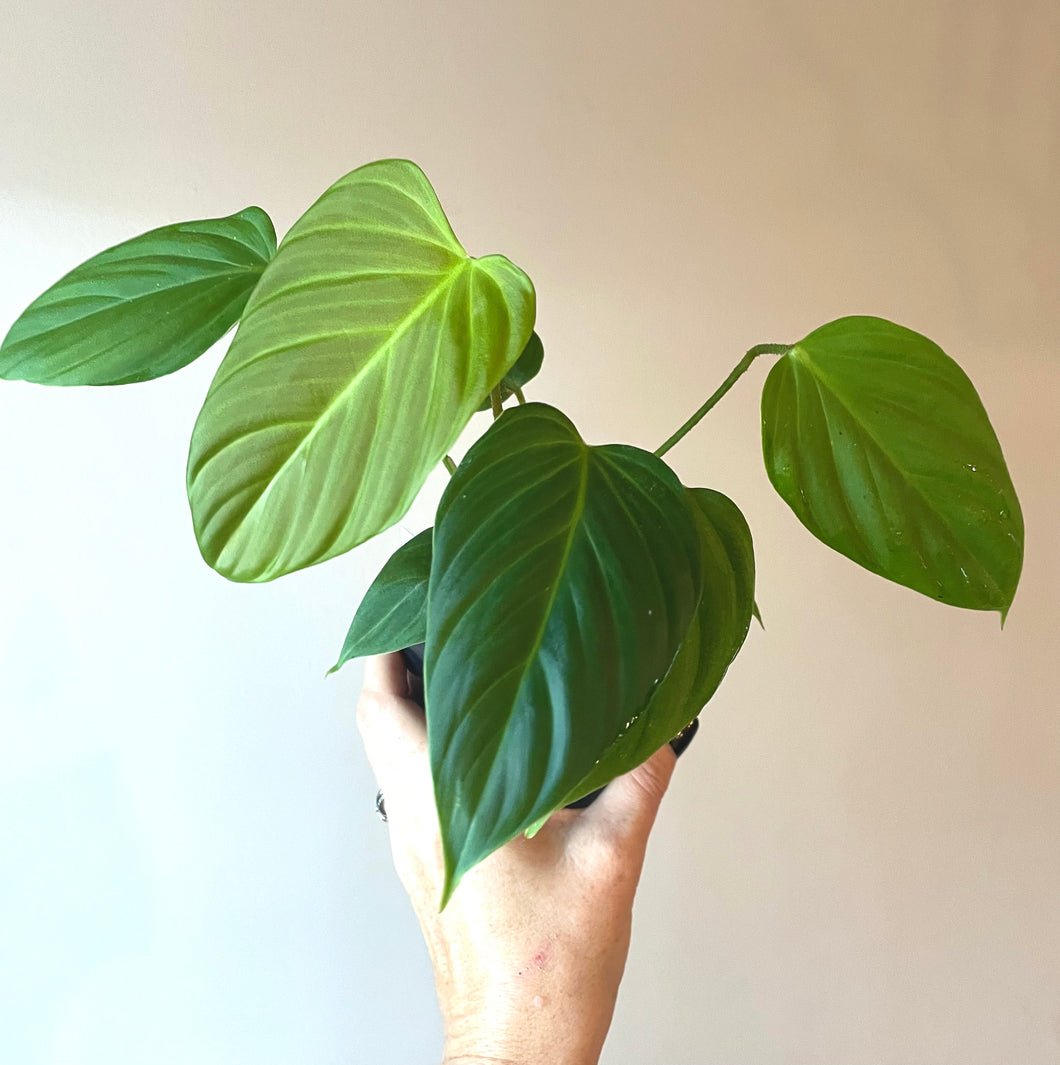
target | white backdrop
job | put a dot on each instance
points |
(858, 860)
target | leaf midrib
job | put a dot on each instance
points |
(448, 279)
(142, 302)
(524, 667)
(823, 382)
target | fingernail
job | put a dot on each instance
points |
(681, 741)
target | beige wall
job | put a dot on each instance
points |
(860, 857)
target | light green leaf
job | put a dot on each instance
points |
(393, 612)
(367, 346)
(563, 580)
(715, 636)
(143, 308)
(879, 443)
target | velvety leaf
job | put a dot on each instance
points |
(526, 368)
(365, 349)
(879, 443)
(715, 636)
(143, 308)
(563, 580)
(393, 612)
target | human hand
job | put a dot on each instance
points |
(529, 953)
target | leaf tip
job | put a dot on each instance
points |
(452, 881)
(532, 830)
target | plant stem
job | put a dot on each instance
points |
(519, 395)
(449, 465)
(738, 371)
(495, 402)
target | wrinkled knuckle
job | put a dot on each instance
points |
(652, 780)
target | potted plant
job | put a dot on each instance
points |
(577, 603)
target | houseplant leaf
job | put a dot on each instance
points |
(878, 442)
(526, 368)
(368, 344)
(393, 612)
(714, 637)
(143, 308)
(563, 580)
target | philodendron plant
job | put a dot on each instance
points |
(579, 605)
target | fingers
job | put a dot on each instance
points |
(386, 674)
(627, 807)
(394, 731)
(392, 727)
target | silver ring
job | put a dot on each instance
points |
(380, 806)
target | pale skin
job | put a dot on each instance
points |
(529, 953)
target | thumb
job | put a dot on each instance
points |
(627, 807)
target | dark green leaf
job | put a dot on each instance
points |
(143, 308)
(563, 580)
(714, 638)
(526, 368)
(879, 443)
(393, 612)
(365, 349)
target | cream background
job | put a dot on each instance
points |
(859, 860)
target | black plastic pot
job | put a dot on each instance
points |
(414, 664)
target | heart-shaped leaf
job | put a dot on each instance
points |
(879, 443)
(563, 580)
(526, 368)
(143, 308)
(393, 612)
(715, 636)
(367, 346)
